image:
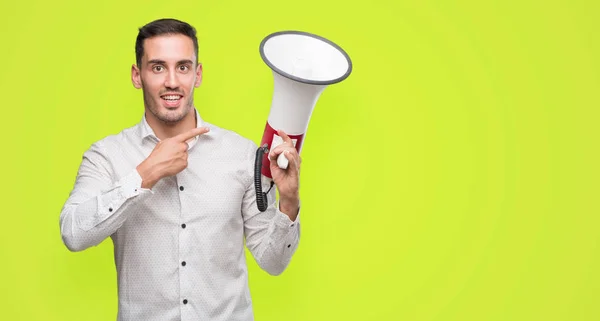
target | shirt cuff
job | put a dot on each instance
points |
(290, 231)
(282, 220)
(128, 187)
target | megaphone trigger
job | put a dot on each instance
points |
(282, 161)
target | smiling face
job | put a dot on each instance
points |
(167, 75)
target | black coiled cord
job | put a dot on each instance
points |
(261, 197)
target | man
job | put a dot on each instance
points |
(176, 195)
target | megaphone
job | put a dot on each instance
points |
(303, 65)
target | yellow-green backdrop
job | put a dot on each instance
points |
(453, 176)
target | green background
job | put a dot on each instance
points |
(453, 176)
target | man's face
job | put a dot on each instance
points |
(168, 75)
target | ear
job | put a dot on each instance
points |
(198, 75)
(135, 77)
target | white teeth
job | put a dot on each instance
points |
(171, 97)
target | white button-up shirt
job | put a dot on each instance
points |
(179, 248)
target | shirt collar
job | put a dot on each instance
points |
(147, 131)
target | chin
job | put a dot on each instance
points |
(173, 114)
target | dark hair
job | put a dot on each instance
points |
(163, 27)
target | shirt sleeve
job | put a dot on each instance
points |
(97, 206)
(271, 236)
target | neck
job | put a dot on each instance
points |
(164, 130)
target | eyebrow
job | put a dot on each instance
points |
(158, 61)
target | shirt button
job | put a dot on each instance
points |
(181, 188)
(289, 245)
(183, 225)
(110, 209)
(183, 263)
(185, 301)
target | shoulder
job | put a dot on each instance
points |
(116, 142)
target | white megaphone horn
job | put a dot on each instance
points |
(303, 65)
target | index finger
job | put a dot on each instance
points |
(191, 133)
(284, 136)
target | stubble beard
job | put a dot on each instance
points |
(170, 117)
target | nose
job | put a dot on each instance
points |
(171, 80)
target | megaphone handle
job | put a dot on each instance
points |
(282, 161)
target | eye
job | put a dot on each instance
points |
(157, 68)
(184, 68)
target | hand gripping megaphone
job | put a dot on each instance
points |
(303, 65)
